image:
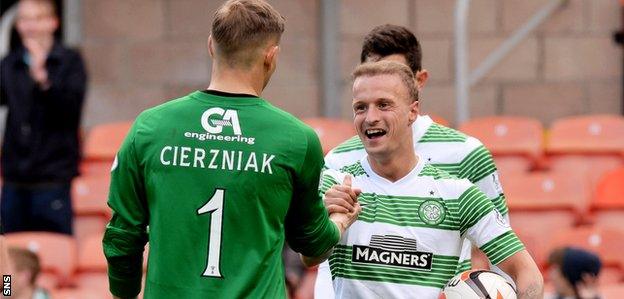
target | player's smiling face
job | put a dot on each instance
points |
(383, 114)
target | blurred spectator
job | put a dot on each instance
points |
(26, 268)
(574, 273)
(43, 85)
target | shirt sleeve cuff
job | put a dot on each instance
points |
(124, 287)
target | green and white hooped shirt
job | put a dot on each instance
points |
(407, 241)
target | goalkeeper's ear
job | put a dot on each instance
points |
(211, 49)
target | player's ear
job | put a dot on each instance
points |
(270, 57)
(210, 46)
(421, 79)
(413, 111)
(54, 23)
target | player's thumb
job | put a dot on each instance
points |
(347, 180)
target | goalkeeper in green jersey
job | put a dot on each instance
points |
(221, 178)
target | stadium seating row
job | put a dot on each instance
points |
(66, 263)
(74, 270)
(575, 190)
(536, 199)
(503, 135)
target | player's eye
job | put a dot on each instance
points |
(359, 108)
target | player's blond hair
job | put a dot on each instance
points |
(241, 27)
(389, 68)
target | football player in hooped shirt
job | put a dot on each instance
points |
(406, 242)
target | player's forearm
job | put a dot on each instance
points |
(124, 253)
(531, 290)
(525, 274)
(311, 261)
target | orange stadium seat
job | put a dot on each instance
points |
(92, 266)
(91, 271)
(57, 252)
(87, 225)
(331, 132)
(80, 293)
(91, 256)
(606, 242)
(515, 142)
(610, 191)
(512, 165)
(612, 291)
(95, 168)
(596, 134)
(103, 141)
(534, 227)
(591, 168)
(540, 201)
(543, 191)
(89, 195)
(507, 135)
(608, 200)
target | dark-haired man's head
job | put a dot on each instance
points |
(571, 267)
(395, 43)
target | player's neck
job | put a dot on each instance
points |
(396, 167)
(236, 80)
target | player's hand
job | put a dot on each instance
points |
(344, 220)
(341, 198)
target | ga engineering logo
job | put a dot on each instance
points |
(392, 251)
(214, 120)
(215, 126)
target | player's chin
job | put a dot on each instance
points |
(374, 148)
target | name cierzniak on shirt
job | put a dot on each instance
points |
(183, 156)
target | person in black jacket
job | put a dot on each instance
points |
(43, 85)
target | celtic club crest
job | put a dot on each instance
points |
(431, 212)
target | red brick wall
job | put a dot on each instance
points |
(143, 52)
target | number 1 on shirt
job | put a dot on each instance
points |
(214, 206)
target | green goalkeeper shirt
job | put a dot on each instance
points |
(221, 180)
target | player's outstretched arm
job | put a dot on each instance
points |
(342, 221)
(343, 199)
(521, 267)
(126, 235)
